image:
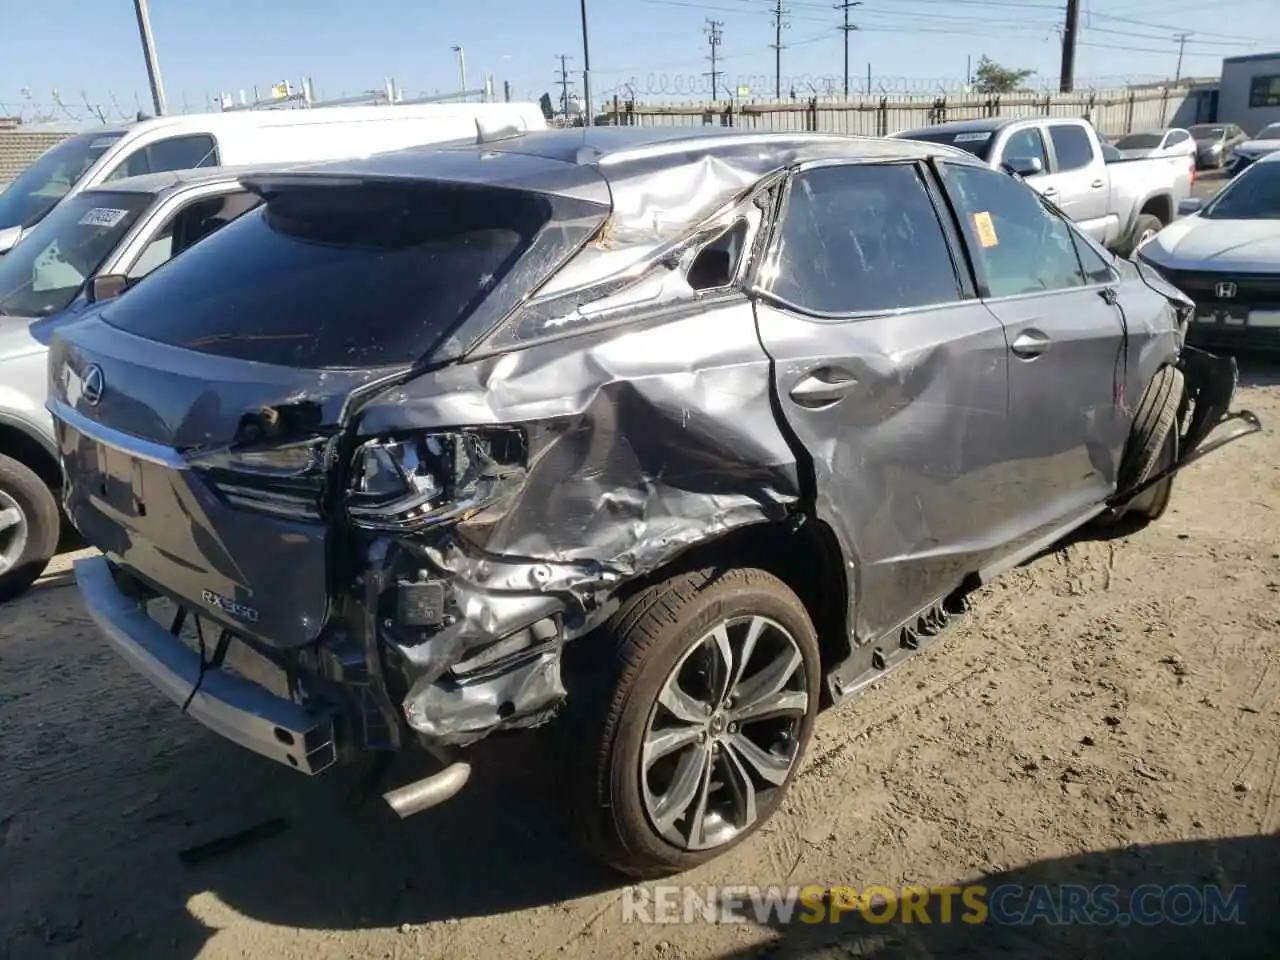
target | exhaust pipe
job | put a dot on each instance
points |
(429, 791)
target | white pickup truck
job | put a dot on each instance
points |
(1120, 203)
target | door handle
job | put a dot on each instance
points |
(823, 388)
(1098, 184)
(1030, 344)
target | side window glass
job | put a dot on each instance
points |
(1026, 144)
(862, 239)
(135, 164)
(183, 153)
(190, 225)
(716, 264)
(158, 251)
(1018, 245)
(1071, 145)
(1094, 260)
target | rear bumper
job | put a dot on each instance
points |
(230, 706)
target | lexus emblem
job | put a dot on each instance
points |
(1225, 290)
(93, 385)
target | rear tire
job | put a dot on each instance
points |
(29, 527)
(683, 641)
(1152, 447)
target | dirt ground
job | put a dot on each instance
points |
(1107, 714)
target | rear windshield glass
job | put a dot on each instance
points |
(337, 276)
(50, 178)
(977, 142)
(1207, 133)
(48, 269)
(1139, 141)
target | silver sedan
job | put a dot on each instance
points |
(1225, 255)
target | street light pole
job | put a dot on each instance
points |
(462, 63)
(149, 52)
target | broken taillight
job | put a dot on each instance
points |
(284, 481)
(405, 482)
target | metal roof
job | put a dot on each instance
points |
(615, 148)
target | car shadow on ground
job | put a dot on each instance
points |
(1247, 862)
(499, 846)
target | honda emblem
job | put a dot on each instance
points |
(1225, 290)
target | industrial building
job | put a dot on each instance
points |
(1249, 91)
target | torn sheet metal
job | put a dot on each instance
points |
(641, 444)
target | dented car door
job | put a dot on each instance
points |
(893, 377)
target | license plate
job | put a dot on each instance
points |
(1231, 316)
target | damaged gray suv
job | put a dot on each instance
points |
(676, 434)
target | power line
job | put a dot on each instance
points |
(715, 36)
(779, 24)
(847, 28)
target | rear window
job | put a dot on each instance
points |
(977, 142)
(337, 276)
(1139, 141)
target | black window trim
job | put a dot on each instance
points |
(966, 293)
(976, 265)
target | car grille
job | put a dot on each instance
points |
(1251, 289)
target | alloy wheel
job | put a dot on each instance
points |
(724, 734)
(13, 532)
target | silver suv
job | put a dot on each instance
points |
(680, 433)
(91, 247)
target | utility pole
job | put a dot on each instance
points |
(779, 24)
(715, 37)
(1069, 28)
(564, 82)
(847, 28)
(1182, 44)
(586, 70)
(149, 52)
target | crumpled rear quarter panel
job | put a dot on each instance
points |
(644, 440)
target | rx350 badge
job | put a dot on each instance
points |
(228, 606)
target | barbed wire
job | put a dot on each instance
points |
(110, 107)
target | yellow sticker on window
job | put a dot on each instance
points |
(986, 229)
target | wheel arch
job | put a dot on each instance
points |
(802, 551)
(24, 443)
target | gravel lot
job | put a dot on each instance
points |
(1106, 714)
